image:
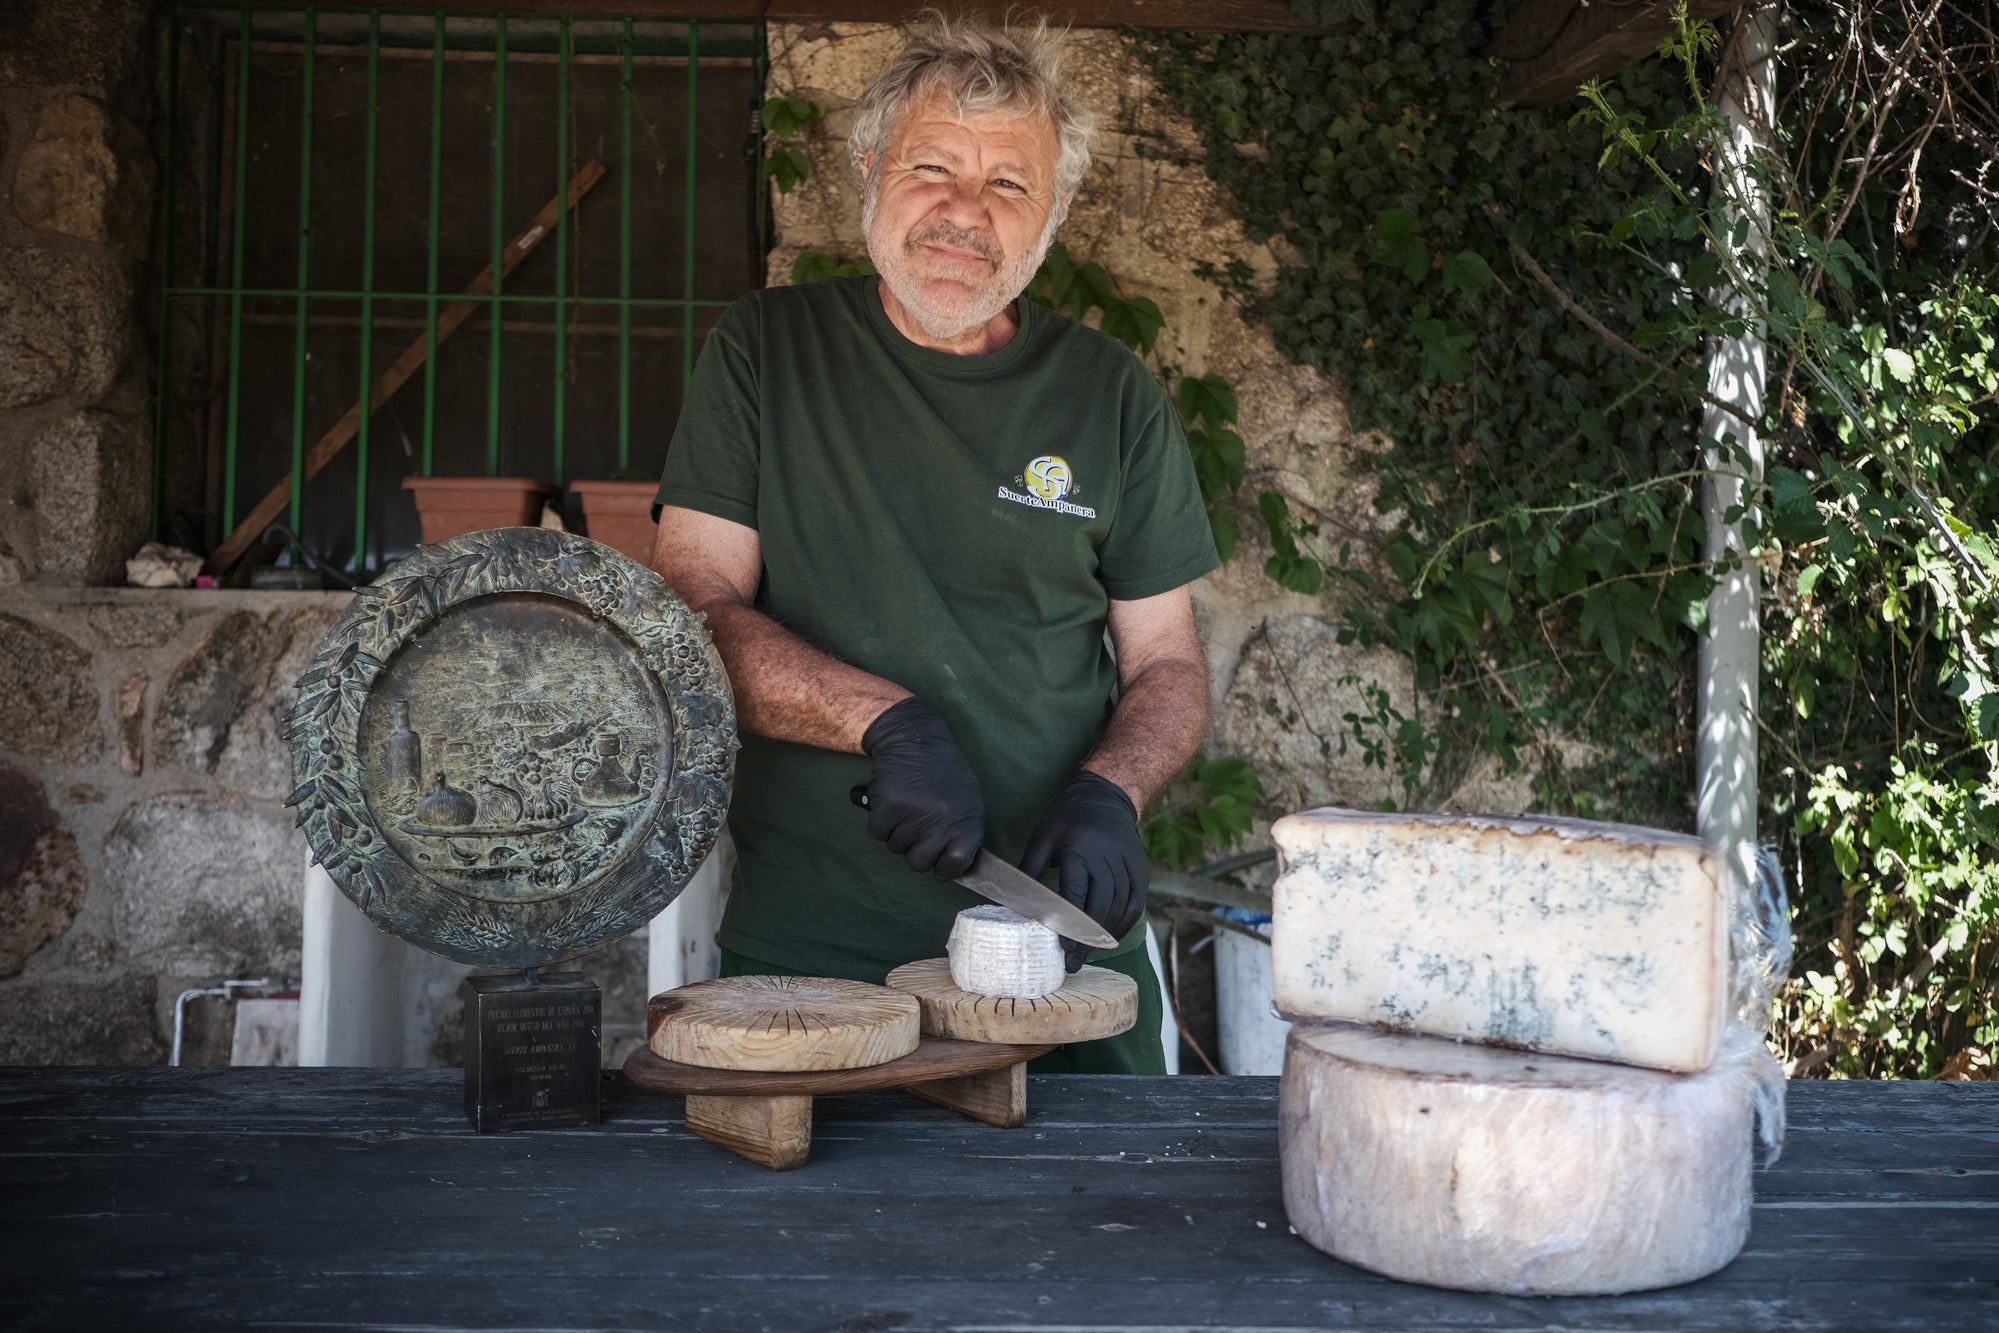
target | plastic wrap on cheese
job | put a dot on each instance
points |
(1760, 941)
(1604, 941)
(1473, 1167)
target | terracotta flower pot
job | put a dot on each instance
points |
(619, 514)
(453, 506)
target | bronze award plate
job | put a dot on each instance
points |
(516, 745)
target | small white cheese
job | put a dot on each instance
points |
(996, 951)
(1598, 940)
(1488, 1170)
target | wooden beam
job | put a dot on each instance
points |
(773, 1131)
(1555, 46)
(1160, 15)
(997, 1097)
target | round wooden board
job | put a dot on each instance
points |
(782, 1024)
(1094, 1002)
(935, 1058)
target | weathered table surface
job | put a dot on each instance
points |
(324, 1198)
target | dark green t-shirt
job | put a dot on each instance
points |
(955, 524)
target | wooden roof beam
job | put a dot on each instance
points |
(1162, 15)
(1555, 46)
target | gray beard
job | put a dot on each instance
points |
(1010, 276)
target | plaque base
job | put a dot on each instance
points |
(531, 1050)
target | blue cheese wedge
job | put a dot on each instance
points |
(1604, 941)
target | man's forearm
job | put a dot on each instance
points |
(1157, 725)
(785, 688)
(790, 691)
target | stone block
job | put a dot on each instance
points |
(222, 710)
(89, 475)
(137, 626)
(66, 325)
(88, 174)
(48, 701)
(63, 1021)
(208, 886)
(42, 879)
(92, 47)
(1285, 714)
(131, 710)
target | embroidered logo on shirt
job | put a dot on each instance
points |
(1047, 481)
(1048, 477)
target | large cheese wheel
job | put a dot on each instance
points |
(1599, 940)
(1491, 1170)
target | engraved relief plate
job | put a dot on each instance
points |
(515, 746)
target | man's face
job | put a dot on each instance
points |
(959, 212)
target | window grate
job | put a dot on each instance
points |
(336, 178)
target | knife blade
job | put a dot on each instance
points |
(996, 881)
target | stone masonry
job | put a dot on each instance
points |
(77, 198)
(144, 845)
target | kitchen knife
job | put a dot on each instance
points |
(996, 881)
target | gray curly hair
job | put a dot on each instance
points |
(979, 67)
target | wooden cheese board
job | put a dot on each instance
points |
(1093, 1002)
(781, 1024)
(772, 1044)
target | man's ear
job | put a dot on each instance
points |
(867, 166)
(1060, 210)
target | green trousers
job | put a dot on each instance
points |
(1135, 1051)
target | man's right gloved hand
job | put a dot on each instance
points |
(923, 799)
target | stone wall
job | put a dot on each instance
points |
(145, 847)
(1282, 683)
(77, 199)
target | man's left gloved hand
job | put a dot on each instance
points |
(1090, 835)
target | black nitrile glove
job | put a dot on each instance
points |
(923, 798)
(1090, 835)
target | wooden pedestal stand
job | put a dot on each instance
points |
(765, 1114)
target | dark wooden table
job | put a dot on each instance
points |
(322, 1198)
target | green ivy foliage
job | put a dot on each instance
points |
(1211, 806)
(1548, 538)
(1472, 273)
(1880, 689)
(1881, 702)
(788, 163)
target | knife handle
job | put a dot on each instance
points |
(858, 794)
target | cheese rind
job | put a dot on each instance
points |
(1562, 935)
(1490, 1170)
(996, 951)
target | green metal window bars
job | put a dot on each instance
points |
(597, 93)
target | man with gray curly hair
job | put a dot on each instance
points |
(1012, 82)
(943, 540)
